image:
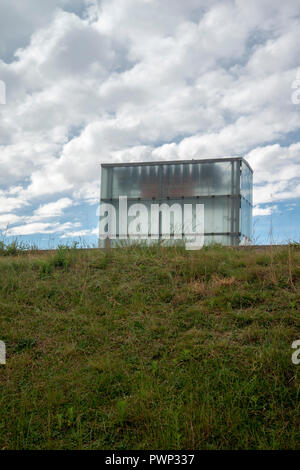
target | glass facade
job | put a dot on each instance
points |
(223, 186)
(246, 203)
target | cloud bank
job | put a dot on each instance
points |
(133, 80)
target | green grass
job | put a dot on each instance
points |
(150, 348)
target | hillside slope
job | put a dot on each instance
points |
(150, 348)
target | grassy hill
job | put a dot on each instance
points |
(150, 348)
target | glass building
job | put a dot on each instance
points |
(222, 185)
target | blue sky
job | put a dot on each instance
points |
(90, 81)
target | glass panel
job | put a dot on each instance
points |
(106, 182)
(197, 179)
(180, 180)
(246, 219)
(135, 181)
(183, 179)
(217, 214)
(235, 177)
(145, 221)
(246, 182)
(220, 214)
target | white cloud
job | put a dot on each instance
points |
(26, 17)
(8, 204)
(53, 209)
(6, 220)
(40, 227)
(262, 211)
(77, 234)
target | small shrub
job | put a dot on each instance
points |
(263, 260)
(62, 257)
